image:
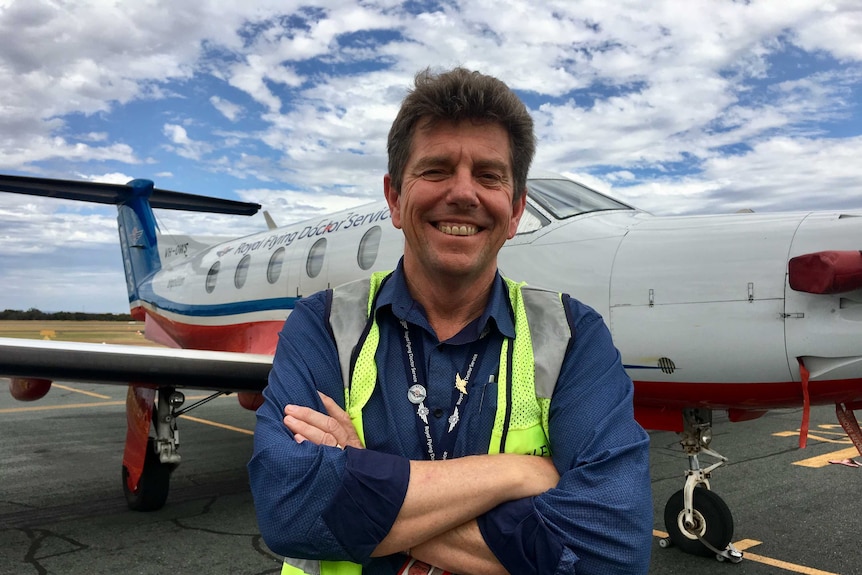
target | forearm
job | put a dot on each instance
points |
(443, 495)
(460, 550)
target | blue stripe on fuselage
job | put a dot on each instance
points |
(146, 294)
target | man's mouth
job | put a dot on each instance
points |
(458, 229)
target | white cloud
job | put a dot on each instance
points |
(228, 109)
(41, 149)
(676, 107)
(183, 144)
(837, 29)
(109, 178)
(780, 174)
(291, 206)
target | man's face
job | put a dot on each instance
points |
(455, 205)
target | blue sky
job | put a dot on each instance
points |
(675, 107)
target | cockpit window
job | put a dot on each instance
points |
(565, 198)
(531, 221)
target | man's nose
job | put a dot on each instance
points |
(463, 189)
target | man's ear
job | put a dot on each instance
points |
(393, 198)
(517, 211)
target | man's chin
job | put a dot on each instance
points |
(462, 268)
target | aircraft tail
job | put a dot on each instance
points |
(137, 223)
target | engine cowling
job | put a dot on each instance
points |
(29, 388)
(250, 400)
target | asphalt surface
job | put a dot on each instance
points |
(62, 508)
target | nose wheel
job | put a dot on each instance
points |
(697, 520)
(709, 530)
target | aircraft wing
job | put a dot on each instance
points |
(125, 364)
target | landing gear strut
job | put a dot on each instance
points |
(697, 520)
(151, 490)
(159, 421)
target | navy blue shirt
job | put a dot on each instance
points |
(318, 502)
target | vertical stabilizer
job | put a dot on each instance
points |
(138, 240)
(135, 202)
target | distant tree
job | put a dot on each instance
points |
(36, 314)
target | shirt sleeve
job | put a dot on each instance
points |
(302, 490)
(598, 520)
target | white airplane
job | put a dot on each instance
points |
(741, 312)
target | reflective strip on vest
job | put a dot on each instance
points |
(310, 567)
(542, 337)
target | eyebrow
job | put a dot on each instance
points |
(443, 160)
(429, 161)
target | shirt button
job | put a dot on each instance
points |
(438, 413)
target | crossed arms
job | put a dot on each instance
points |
(433, 530)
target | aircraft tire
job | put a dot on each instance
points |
(714, 522)
(154, 485)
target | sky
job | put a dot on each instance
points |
(676, 107)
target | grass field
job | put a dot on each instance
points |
(88, 331)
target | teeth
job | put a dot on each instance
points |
(456, 230)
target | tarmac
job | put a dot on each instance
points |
(62, 508)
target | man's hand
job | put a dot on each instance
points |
(334, 429)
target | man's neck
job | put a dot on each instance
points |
(450, 305)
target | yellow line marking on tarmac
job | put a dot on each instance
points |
(67, 406)
(844, 439)
(90, 393)
(103, 403)
(216, 424)
(823, 460)
(793, 567)
(744, 544)
(30, 408)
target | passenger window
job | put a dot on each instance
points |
(314, 263)
(273, 270)
(241, 271)
(368, 247)
(212, 276)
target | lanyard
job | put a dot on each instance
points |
(414, 365)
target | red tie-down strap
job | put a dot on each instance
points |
(806, 406)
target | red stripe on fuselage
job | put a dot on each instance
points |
(756, 395)
(658, 403)
(249, 337)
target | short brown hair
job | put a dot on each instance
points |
(456, 95)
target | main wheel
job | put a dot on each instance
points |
(712, 521)
(154, 484)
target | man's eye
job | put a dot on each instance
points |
(490, 178)
(433, 174)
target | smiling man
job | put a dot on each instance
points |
(411, 418)
(456, 205)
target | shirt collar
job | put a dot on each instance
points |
(395, 295)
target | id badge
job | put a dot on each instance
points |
(415, 567)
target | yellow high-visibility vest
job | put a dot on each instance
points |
(542, 334)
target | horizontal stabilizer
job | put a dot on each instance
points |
(101, 193)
